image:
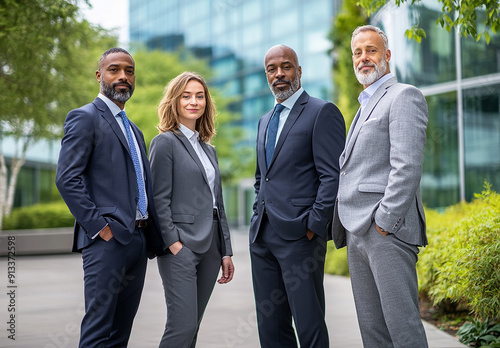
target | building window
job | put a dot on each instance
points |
(481, 138)
(440, 183)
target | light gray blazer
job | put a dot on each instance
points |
(381, 167)
(182, 194)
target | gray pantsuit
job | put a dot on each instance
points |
(186, 214)
(380, 171)
(187, 276)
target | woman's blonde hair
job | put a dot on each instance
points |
(169, 115)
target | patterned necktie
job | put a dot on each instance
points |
(272, 131)
(137, 166)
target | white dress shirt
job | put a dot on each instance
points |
(194, 139)
(288, 104)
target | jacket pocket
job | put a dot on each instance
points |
(183, 218)
(377, 188)
(303, 201)
(106, 210)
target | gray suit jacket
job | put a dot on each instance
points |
(381, 167)
(182, 193)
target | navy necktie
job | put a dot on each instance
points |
(272, 131)
(142, 206)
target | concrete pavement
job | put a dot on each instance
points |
(48, 306)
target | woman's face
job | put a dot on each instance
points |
(191, 104)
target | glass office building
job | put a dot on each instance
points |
(461, 81)
(459, 77)
(234, 35)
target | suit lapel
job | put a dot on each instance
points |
(187, 144)
(290, 121)
(113, 123)
(365, 114)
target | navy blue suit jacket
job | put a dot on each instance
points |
(298, 189)
(96, 178)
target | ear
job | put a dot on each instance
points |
(388, 56)
(98, 76)
(300, 72)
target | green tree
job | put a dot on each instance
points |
(347, 87)
(466, 15)
(46, 67)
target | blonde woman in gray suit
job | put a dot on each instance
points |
(188, 194)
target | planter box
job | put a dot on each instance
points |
(37, 242)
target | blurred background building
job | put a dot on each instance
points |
(461, 81)
(459, 77)
(234, 36)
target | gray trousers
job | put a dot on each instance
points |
(385, 287)
(188, 280)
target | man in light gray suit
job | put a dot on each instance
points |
(379, 213)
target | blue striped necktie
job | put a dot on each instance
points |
(137, 165)
(272, 131)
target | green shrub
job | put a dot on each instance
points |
(480, 334)
(336, 260)
(47, 215)
(462, 262)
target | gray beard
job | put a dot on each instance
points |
(377, 73)
(113, 94)
(287, 93)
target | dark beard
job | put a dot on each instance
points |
(119, 96)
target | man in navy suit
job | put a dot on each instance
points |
(103, 175)
(295, 188)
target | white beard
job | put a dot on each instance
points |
(287, 93)
(367, 79)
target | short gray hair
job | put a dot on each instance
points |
(364, 28)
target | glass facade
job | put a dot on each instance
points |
(36, 179)
(481, 138)
(461, 81)
(235, 35)
(459, 76)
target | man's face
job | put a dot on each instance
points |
(116, 76)
(283, 72)
(370, 59)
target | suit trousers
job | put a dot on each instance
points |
(385, 287)
(188, 280)
(113, 277)
(288, 282)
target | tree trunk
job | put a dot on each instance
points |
(15, 167)
(8, 185)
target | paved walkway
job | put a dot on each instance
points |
(49, 307)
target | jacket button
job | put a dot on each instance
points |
(267, 179)
(263, 202)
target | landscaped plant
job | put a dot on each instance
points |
(47, 215)
(462, 262)
(480, 334)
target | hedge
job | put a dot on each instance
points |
(46, 215)
(336, 260)
(462, 262)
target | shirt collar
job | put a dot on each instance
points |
(366, 94)
(290, 102)
(188, 132)
(111, 105)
